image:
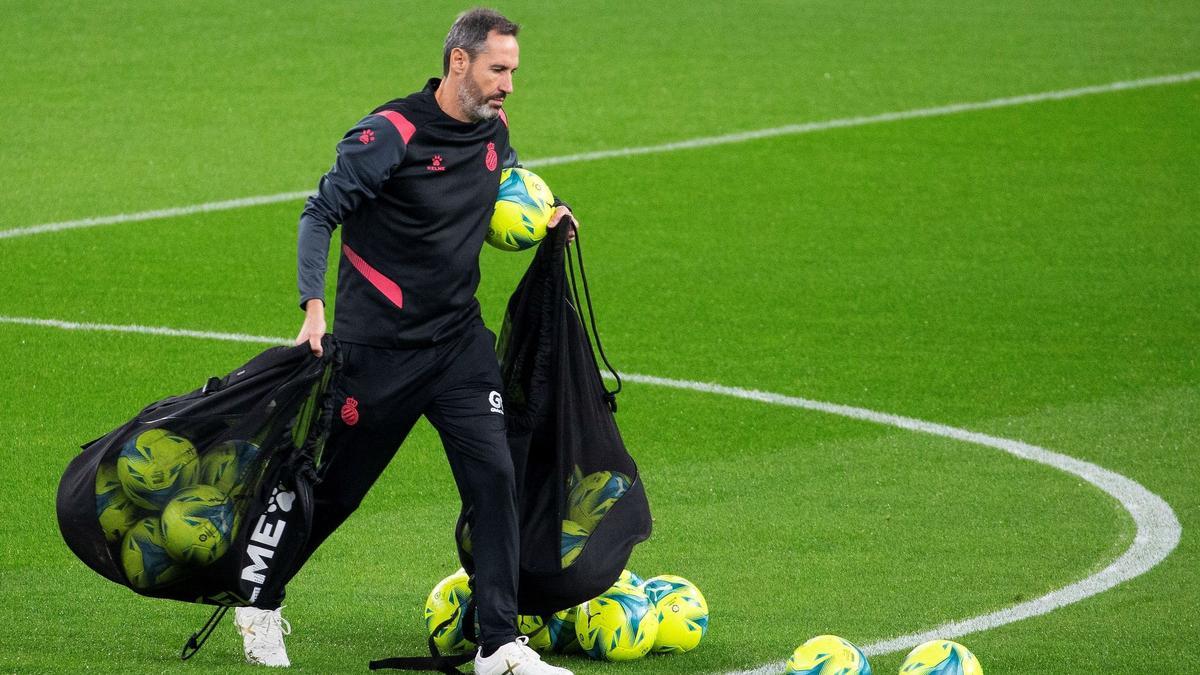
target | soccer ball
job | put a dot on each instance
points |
(197, 524)
(561, 628)
(224, 467)
(593, 496)
(630, 578)
(154, 465)
(828, 655)
(535, 629)
(448, 601)
(574, 537)
(144, 556)
(114, 510)
(682, 613)
(523, 209)
(940, 657)
(620, 625)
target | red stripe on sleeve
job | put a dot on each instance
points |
(402, 125)
(376, 278)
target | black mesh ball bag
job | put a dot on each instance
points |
(206, 496)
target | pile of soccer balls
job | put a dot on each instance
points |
(169, 509)
(832, 655)
(664, 614)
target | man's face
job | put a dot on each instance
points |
(489, 78)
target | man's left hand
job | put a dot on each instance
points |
(559, 213)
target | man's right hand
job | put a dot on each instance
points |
(314, 326)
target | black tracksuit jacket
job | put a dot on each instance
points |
(414, 190)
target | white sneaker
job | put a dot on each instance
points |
(262, 635)
(515, 658)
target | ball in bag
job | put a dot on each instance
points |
(226, 466)
(682, 613)
(144, 556)
(114, 510)
(197, 524)
(154, 464)
(574, 537)
(594, 495)
(524, 206)
(620, 625)
(448, 601)
(940, 657)
(828, 655)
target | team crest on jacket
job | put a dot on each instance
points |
(491, 160)
(350, 411)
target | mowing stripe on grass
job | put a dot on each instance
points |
(702, 142)
(1158, 529)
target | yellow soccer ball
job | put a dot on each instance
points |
(592, 497)
(144, 556)
(198, 524)
(940, 657)
(154, 465)
(115, 511)
(828, 655)
(524, 206)
(620, 625)
(682, 613)
(574, 538)
(448, 601)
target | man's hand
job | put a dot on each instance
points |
(314, 326)
(558, 215)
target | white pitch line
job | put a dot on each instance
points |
(1158, 529)
(689, 144)
(145, 330)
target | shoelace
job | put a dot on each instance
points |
(272, 620)
(527, 651)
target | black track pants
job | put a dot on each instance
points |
(380, 394)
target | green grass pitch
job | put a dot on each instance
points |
(1030, 272)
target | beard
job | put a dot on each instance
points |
(475, 103)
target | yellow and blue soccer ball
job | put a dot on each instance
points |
(630, 578)
(940, 657)
(561, 629)
(620, 625)
(198, 524)
(144, 556)
(154, 465)
(523, 209)
(574, 538)
(534, 628)
(448, 601)
(682, 613)
(828, 655)
(594, 495)
(115, 511)
(226, 466)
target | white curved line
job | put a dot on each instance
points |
(688, 144)
(1158, 529)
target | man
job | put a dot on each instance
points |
(414, 185)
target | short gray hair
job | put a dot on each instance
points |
(470, 30)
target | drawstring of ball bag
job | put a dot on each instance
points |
(610, 397)
(194, 643)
